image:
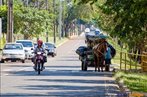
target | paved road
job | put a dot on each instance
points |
(61, 78)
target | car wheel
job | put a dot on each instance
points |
(23, 61)
(53, 55)
(2, 61)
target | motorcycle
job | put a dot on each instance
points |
(39, 62)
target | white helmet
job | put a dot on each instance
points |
(87, 30)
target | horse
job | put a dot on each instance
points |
(99, 54)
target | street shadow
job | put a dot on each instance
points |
(68, 59)
(50, 67)
(58, 72)
(72, 90)
(22, 95)
(80, 81)
(75, 87)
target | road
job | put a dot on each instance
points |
(62, 77)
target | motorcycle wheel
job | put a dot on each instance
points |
(38, 67)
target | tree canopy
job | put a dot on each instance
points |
(125, 19)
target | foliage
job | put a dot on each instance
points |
(28, 20)
(3, 15)
(130, 20)
(125, 19)
(134, 81)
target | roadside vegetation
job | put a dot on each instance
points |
(134, 81)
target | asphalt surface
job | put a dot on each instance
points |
(62, 77)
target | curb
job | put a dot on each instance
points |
(71, 37)
(62, 43)
(124, 89)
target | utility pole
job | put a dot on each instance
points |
(60, 19)
(10, 21)
(0, 2)
(0, 23)
(63, 30)
(27, 3)
(46, 22)
(54, 27)
(0, 28)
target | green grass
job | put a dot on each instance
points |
(134, 81)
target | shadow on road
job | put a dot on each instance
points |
(77, 88)
(51, 71)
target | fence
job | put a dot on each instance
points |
(133, 62)
(144, 62)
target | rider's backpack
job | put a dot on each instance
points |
(113, 51)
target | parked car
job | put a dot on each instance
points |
(51, 49)
(28, 47)
(13, 52)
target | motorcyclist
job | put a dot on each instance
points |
(39, 48)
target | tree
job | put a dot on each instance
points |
(125, 19)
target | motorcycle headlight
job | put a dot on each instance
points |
(38, 53)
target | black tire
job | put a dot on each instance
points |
(82, 66)
(53, 55)
(38, 68)
(85, 66)
(23, 61)
(2, 61)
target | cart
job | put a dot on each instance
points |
(86, 54)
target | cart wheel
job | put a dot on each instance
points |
(2, 61)
(23, 61)
(82, 66)
(85, 66)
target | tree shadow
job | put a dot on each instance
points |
(67, 83)
(58, 72)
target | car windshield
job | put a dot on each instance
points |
(13, 46)
(26, 43)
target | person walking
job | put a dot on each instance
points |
(108, 58)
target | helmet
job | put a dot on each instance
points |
(39, 42)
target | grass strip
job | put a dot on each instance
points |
(134, 81)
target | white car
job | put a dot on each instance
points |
(13, 52)
(28, 47)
